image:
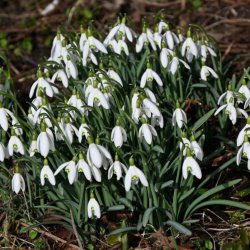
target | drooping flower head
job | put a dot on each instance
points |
(94, 209)
(18, 182)
(190, 165)
(134, 175)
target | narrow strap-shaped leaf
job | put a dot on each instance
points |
(202, 120)
(179, 227)
(146, 215)
(223, 203)
(210, 192)
(123, 230)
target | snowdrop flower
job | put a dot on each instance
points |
(164, 55)
(65, 53)
(83, 38)
(70, 168)
(206, 71)
(148, 76)
(180, 36)
(175, 62)
(113, 45)
(3, 152)
(83, 167)
(33, 146)
(120, 46)
(205, 50)
(145, 38)
(59, 135)
(61, 76)
(190, 165)
(17, 126)
(149, 105)
(114, 76)
(45, 141)
(147, 131)
(42, 113)
(162, 26)
(137, 112)
(69, 130)
(96, 173)
(43, 84)
(228, 94)
(89, 57)
(118, 134)
(244, 90)
(95, 96)
(134, 175)
(93, 44)
(230, 110)
(116, 168)
(71, 68)
(189, 47)
(196, 148)
(244, 151)
(93, 207)
(73, 99)
(80, 105)
(179, 116)
(122, 30)
(30, 117)
(157, 121)
(15, 144)
(97, 154)
(4, 113)
(57, 47)
(157, 37)
(37, 102)
(83, 130)
(240, 112)
(171, 38)
(184, 143)
(46, 173)
(245, 130)
(17, 182)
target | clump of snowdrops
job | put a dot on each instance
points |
(119, 124)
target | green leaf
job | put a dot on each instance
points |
(186, 194)
(146, 215)
(32, 234)
(126, 202)
(179, 227)
(123, 230)
(163, 185)
(158, 149)
(116, 208)
(141, 63)
(202, 120)
(223, 203)
(193, 206)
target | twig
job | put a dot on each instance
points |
(75, 230)
(238, 21)
(51, 236)
(165, 4)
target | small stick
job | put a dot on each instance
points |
(53, 237)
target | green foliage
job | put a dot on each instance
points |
(160, 194)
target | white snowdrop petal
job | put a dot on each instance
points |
(128, 179)
(239, 154)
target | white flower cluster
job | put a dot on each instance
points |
(233, 100)
(81, 83)
(189, 148)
